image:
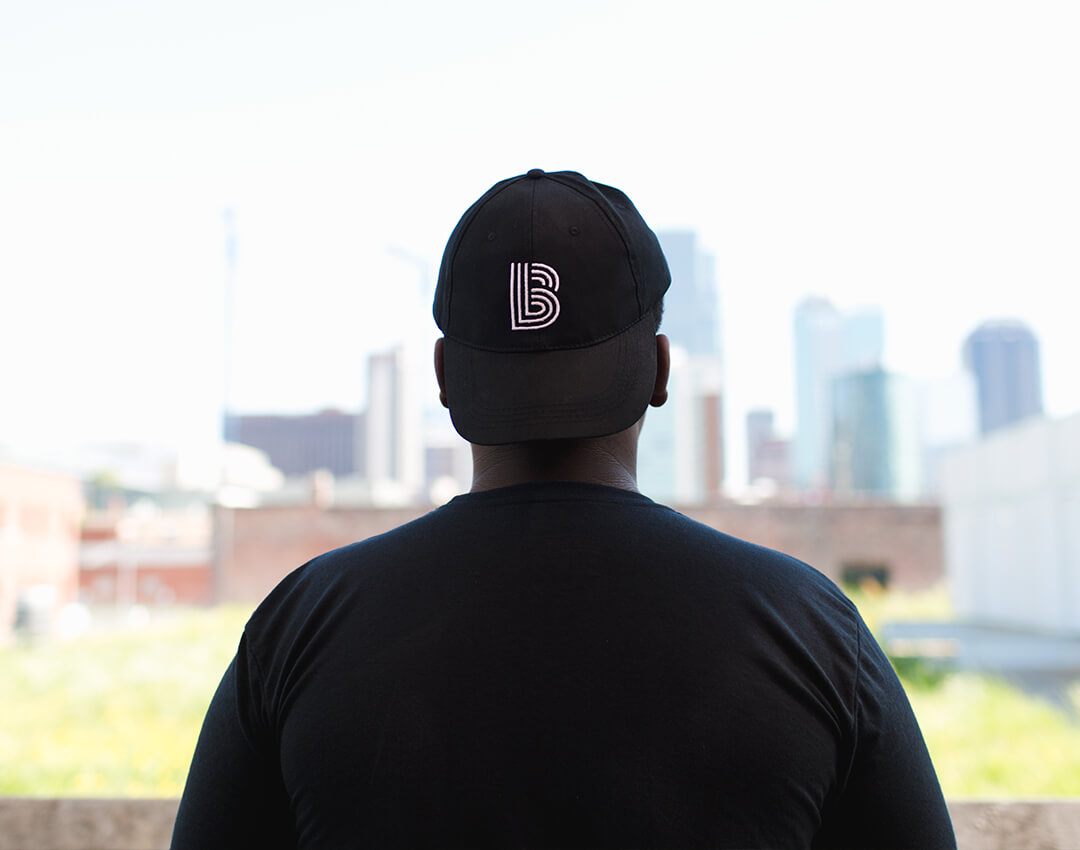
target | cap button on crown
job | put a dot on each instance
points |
(535, 173)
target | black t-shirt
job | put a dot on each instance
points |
(559, 665)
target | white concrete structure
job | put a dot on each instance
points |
(949, 419)
(681, 451)
(1012, 526)
(395, 452)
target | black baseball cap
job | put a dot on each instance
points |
(544, 298)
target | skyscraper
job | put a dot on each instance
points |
(1003, 355)
(875, 448)
(691, 306)
(682, 454)
(395, 454)
(766, 453)
(682, 446)
(759, 429)
(828, 344)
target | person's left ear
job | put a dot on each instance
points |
(663, 371)
(439, 373)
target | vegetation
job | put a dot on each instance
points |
(987, 738)
(113, 713)
(117, 712)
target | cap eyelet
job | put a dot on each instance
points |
(575, 230)
(491, 237)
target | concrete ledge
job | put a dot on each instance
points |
(1045, 824)
(28, 823)
(71, 823)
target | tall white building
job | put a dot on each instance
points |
(692, 304)
(828, 344)
(681, 452)
(394, 451)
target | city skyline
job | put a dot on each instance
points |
(945, 197)
(865, 326)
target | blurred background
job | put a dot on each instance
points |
(220, 226)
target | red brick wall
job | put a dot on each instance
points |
(906, 539)
(259, 547)
(183, 584)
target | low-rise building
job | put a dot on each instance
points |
(40, 516)
(1011, 506)
(147, 555)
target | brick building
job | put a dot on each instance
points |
(146, 555)
(896, 545)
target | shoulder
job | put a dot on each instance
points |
(555, 534)
(331, 584)
(766, 568)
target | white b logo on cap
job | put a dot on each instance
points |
(533, 302)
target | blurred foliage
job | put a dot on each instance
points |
(879, 606)
(117, 712)
(987, 738)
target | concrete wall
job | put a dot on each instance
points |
(1012, 526)
(75, 824)
(256, 548)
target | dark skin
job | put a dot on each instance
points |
(608, 460)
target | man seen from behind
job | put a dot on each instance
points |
(552, 659)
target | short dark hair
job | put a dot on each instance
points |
(657, 313)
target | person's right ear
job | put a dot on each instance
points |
(439, 374)
(663, 371)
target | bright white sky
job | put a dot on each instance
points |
(920, 156)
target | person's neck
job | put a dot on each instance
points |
(611, 461)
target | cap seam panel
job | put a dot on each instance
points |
(577, 347)
(466, 222)
(616, 226)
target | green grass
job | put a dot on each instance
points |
(879, 607)
(117, 713)
(112, 714)
(987, 738)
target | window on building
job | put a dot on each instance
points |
(860, 575)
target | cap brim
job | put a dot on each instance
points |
(498, 397)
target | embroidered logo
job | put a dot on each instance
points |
(533, 302)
